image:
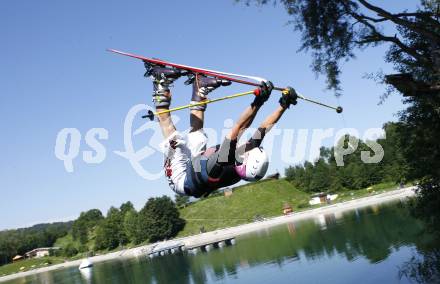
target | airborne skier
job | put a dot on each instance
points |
(192, 168)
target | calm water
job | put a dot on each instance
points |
(370, 245)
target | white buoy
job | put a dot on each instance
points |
(232, 241)
(208, 247)
(221, 244)
(85, 263)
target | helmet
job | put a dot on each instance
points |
(254, 165)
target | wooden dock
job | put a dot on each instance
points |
(191, 245)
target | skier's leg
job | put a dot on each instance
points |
(165, 122)
(197, 118)
(162, 78)
(224, 156)
(202, 85)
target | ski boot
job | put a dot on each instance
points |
(162, 78)
(203, 85)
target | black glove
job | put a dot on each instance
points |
(288, 97)
(265, 90)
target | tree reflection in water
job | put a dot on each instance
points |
(365, 237)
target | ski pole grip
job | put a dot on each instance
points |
(257, 92)
(150, 115)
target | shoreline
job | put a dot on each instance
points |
(233, 231)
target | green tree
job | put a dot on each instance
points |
(110, 232)
(20, 241)
(159, 219)
(325, 175)
(85, 223)
(132, 227)
(69, 251)
(126, 207)
(333, 30)
(181, 200)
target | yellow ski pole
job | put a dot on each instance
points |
(151, 114)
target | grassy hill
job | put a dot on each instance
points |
(264, 198)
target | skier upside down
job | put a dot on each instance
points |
(193, 169)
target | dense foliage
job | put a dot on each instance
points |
(20, 241)
(157, 220)
(332, 30)
(85, 223)
(325, 175)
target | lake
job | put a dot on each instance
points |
(369, 245)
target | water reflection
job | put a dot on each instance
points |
(86, 274)
(371, 234)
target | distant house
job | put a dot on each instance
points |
(287, 209)
(322, 197)
(17, 258)
(227, 191)
(40, 252)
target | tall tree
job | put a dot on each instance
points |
(85, 223)
(132, 227)
(160, 219)
(126, 207)
(332, 30)
(110, 232)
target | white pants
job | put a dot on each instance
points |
(178, 156)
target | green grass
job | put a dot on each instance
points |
(372, 190)
(29, 264)
(265, 198)
(66, 240)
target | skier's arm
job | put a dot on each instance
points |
(264, 128)
(288, 98)
(273, 118)
(243, 122)
(250, 112)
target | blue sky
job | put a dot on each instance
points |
(55, 74)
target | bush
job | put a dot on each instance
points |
(159, 219)
(303, 204)
(69, 251)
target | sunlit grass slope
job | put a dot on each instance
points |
(265, 198)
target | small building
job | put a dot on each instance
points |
(287, 209)
(17, 258)
(40, 252)
(227, 192)
(322, 197)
